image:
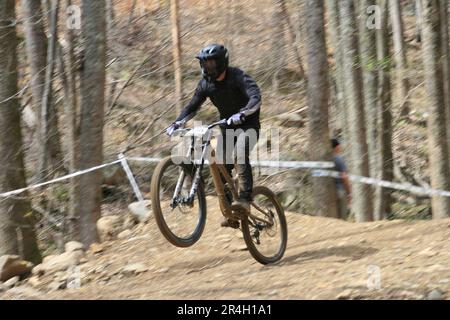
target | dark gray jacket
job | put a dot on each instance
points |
(238, 92)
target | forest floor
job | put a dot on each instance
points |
(325, 259)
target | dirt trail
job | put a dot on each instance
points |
(325, 259)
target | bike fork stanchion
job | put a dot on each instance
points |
(195, 183)
(134, 185)
(198, 172)
(179, 184)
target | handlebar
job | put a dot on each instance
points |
(218, 123)
(183, 131)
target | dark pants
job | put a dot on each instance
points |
(236, 147)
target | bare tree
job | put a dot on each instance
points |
(16, 219)
(446, 63)
(419, 19)
(229, 24)
(92, 113)
(338, 81)
(361, 195)
(68, 73)
(318, 102)
(278, 54)
(110, 14)
(370, 77)
(291, 34)
(437, 143)
(400, 55)
(51, 152)
(176, 43)
(41, 66)
(36, 48)
(384, 158)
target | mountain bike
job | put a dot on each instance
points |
(178, 200)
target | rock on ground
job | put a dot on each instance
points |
(12, 265)
(108, 227)
(74, 246)
(124, 234)
(12, 282)
(134, 268)
(141, 210)
(59, 263)
(436, 295)
(96, 248)
(344, 295)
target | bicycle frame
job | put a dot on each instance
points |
(217, 172)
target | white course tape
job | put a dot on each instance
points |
(317, 165)
(383, 183)
(144, 159)
(78, 173)
(265, 163)
(294, 164)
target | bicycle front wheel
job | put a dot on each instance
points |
(182, 223)
(265, 237)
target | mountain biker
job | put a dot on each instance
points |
(238, 99)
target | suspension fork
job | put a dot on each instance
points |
(198, 172)
(182, 175)
(179, 186)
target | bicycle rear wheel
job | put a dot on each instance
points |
(265, 241)
(181, 223)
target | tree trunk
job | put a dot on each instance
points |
(110, 15)
(36, 48)
(92, 113)
(384, 157)
(278, 56)
(176, 43)
(339, 92)
(361, 195)
(419, 19)
(400, 55)
(50, 155)
(73, 133)
(370, 77)
(318, 100)
(68, 80)
(446, 64)
(230, 18)
(15, 212)
(291, 34)
(300, 31)
(437, 143)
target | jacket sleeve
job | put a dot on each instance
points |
(251, 90)
(194, 105)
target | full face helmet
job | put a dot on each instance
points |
(213, 61)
